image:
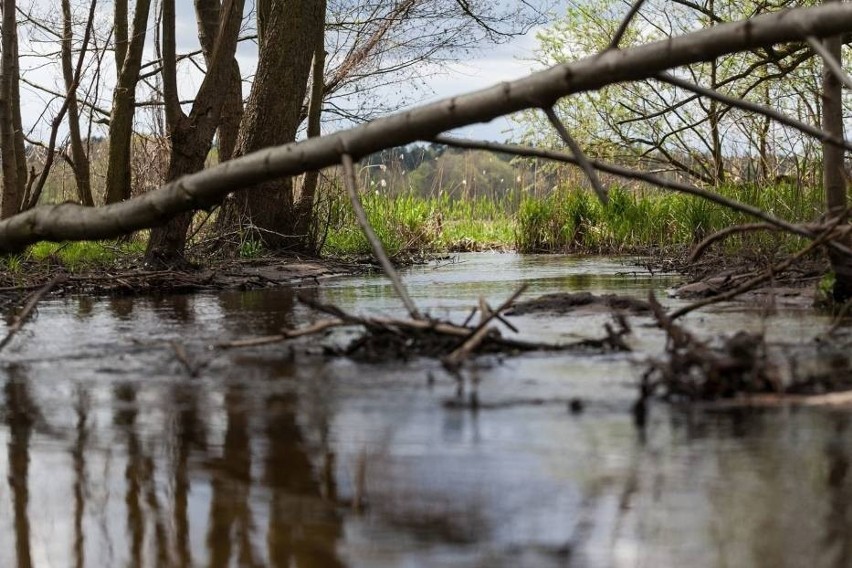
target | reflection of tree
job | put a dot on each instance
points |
(231, 480)
(838, 525)
(21, 413)
(188, 433)
(139, 475)
(303, 528)
(78, 455)
(177, 307)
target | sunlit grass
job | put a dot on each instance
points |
(83, 255)
(574, 220)
(568, 219)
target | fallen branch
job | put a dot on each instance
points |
(312, 329)
(29, 307)
(385, 336)
(375, 243)
(702, 247)
(829, 233)
(479, 333)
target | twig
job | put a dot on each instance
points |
(760, 278)
(830, 61)
(478, 334)
(29, 307)
(702, 247)
(766, 111)
(375, 243)
(312, 329)
(642, 176)
(579, 155)
(622, 28)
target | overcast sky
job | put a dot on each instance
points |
(482, 69)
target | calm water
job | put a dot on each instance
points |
(115, 456)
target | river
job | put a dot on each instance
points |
(271, 456)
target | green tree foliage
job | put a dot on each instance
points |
(654, 125)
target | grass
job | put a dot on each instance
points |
(84, 255)
(408, 223)
(568, 219)
(574, 220)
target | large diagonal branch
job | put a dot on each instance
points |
(206, 188)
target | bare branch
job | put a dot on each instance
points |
(352, 189)
(830, 61)
(830, 234)
(625, 23)
(578, 154)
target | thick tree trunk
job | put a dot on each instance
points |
(11, 152)
(207, 15)
(192, 136)
(118, 180)
(834, 180)
(273, 113)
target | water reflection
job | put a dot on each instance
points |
(119, 458)
(21, 414)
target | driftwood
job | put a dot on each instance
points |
(740, 371)
(386, 337)
(29, 306)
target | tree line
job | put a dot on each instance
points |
(316, 61)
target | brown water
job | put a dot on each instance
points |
(114, 456)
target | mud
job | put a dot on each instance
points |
(583, 302)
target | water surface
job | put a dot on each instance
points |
(116, 456)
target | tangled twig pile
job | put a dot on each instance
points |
(387, 338)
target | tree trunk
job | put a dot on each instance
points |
(79, 158)
(834, 180)
(192, 136)
(273, 113)
(207, 15)
(118, 180)
(120, 20)
(11, 149)
(305, 204)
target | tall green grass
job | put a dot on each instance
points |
(408, 223)
(571, 219)
(568, 219)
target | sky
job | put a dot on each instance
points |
(482, 69)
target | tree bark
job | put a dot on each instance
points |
(273, 114)
(120, 20)
(834, 180)
(232, 111)
(79, 158)
(192, 136)
(305, 204)
(118, 179)
(11, 152)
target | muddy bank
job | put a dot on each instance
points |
(253, 274)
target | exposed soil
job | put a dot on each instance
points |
(585, 302)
